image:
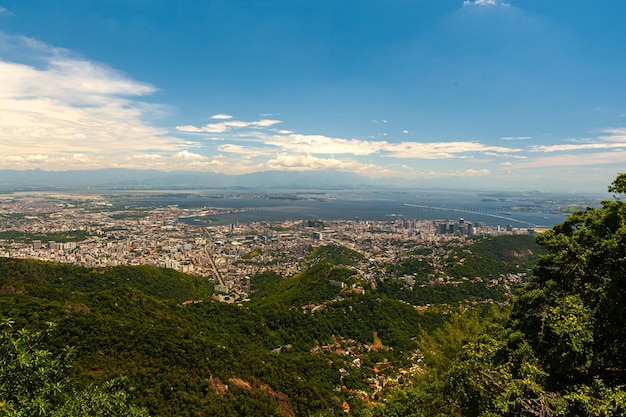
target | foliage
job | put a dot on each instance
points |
(37, 276)
(34, 381)
(496, 256)
(335, 255)
(572, 310)
(313, 285)
(69, 236)
(436, 294)
(412, 266)
(561, 351)
(618, 186)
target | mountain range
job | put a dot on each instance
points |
(130, 178)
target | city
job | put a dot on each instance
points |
(90, 231)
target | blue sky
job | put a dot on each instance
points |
(516, 94)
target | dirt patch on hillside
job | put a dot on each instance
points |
(283, 399)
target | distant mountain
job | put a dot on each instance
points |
(129, 178)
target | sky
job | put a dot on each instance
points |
(485, 94)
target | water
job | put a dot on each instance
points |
(517, 210)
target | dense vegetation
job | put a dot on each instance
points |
(69, 236)
(35, 381)
(492, 257)
(179, 356)
(325, 342)
(561, 351)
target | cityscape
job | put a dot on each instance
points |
(89, 231)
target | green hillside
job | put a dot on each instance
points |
(275, 357)
(496, 256)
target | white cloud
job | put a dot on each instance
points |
(452, 173)
(73, 111)
(485, 3)
(611, 139)
(441, 150)
(319, 144)
(5, 12)
(288, 150)
(58, 111)
(290, 162)
(222, 116)
(36, 158)
(226, 126)
(615, 157)
(148, 157)
(577, 147)
(249, 152)
(614, 135)
(186, 155)
(80, 158)
(510, 138)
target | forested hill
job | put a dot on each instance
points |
(316, 343)
(31, 277)
(323, 341)
(185, 353)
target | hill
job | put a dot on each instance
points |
(316, 343)
(207, 357)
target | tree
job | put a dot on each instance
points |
(574, 309)
(35, 381)
(619, 185)
(563, 350)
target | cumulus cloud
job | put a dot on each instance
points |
(319, 144)
(222, 116)
(147, 157)
(290, 162)
(186, 155)
(73, 111)
(270, 148)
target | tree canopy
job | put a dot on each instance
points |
(35, 381)
(561, 351)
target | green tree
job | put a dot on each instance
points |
(573, 311)
(35, 381)
(563, 350)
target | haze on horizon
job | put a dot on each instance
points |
(474, 93)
